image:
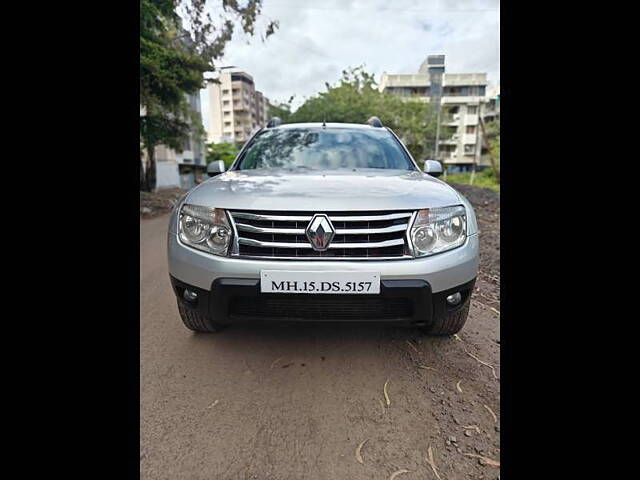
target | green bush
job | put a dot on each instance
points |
(222, 151)
(486, 178)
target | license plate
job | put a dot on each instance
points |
(280, 281)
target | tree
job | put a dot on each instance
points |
(159, 129)
(356, 98)
(281, 110)
(175, 52)
(491, 140)
(222, 151)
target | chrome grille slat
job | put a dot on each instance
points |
(258, 243)
(339, 231)
(358, 235)
(272, 218)
(337, 218)
(370, 218)
(251, 228)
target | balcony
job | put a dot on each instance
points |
(451, 120)
(469, 138)
(471, 119)
(455, 100)
(459, 160)
(453, 140)
(444, 156)
(492, 114)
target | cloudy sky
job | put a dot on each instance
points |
(317, 39)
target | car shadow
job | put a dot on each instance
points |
(321, 339)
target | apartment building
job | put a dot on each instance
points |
(185, 168)
(492, 110)
(462, 100)
(235, 107)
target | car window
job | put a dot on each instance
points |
(325, 149)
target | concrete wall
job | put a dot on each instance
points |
(167, 175)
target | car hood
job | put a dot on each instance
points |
(326, 190)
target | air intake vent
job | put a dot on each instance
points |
(320, 307)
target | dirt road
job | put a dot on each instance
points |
(295, 402)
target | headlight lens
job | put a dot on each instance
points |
(436, 230)
(205, 228)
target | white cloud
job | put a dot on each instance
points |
(318, 39)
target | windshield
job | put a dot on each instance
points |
(325, 149)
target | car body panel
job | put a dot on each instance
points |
(327, 190)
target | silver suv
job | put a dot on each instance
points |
(324, 222)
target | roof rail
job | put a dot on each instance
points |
(374, 122)
(274, 122)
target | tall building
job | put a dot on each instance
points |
(462, 99)
(235, 107)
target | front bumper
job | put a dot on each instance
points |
(412, 291)
(236, 300)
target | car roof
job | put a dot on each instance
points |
(328, 125)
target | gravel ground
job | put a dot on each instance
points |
(486, 203)
(296, 401)
(157, 203)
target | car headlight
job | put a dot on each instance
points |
(437, 230)
(205, 228)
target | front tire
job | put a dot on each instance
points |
(451, 322)
(195, 321)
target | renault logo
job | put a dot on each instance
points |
(320, 232)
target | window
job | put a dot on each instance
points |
(225, 92)
(469, 149)
(225, 102)
(471, 129)
(409, 91)
(325, 148)
(227, 124)
(227, 113)
(472, 109)
(452, 91)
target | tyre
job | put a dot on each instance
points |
(451, 322)
(195, 321)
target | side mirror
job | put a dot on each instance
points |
(433, 167)
(215, 168)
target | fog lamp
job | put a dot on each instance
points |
(454, 298)
(190, 296)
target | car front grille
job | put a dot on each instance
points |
(320, 307)
(358, 235)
